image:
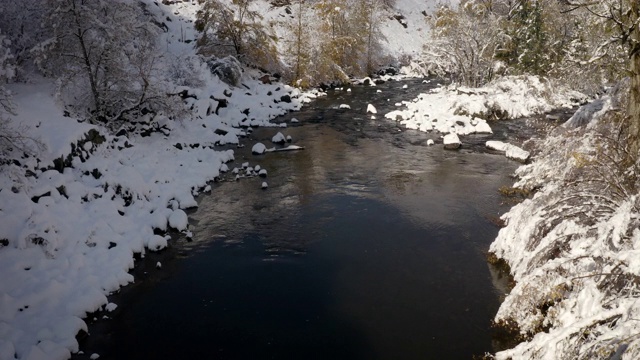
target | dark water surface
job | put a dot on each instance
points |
(368, 244)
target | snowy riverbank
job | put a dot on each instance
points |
(574, 247)
(69, 238)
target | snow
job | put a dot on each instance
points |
(573, 248)
(465, 111)
(511, 151)
(74, 245)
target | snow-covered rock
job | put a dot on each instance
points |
(264, 185)
(278, 138)
(344, 106)
(451, 141)
(371, 109)
(178, 220)
(257, 149)
(511, 151)
(430, 142)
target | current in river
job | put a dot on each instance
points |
(367, 244)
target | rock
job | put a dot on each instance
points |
(245, 165)
(371, 109)
(511, 151)
(278, 138)
(430, 142)
(451, 141)
(345, 106)
(483, 128)
(257, 149)
(264, 185)
(228, 69)
(178, 220)
(158, 265)
(294, 120)
(285, 98)
(262, 173)
(405, 86)
(289, 138)
(257, 168)
(266, 79)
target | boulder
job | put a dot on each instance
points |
(258, 149)
(278, 138)
(228, 69)
(451, 141)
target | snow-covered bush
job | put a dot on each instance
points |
(573, 247)
(105, 55)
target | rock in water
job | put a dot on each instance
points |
(430, 142)
(452, 141)
(264, 185)
(258, 149)
(278, 138)
(371, 109)
(178, 220)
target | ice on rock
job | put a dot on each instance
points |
(371, 109)
(344, 106)
(178, 220)
(258, 149)
(451, 141)
(264, 185)
(278, 138)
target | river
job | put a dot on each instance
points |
(368, 244)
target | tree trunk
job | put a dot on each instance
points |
(633, 110)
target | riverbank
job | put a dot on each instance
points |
(573, 247)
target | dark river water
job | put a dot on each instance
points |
(368, 244)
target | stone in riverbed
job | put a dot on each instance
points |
(278, 138)
(451, 141)
(258, 149)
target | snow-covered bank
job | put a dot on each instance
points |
(465, 111)
(574, 248)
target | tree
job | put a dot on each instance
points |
(623, 19)
(109, 48)
(368, 17)
(298, 45)
(465, 43)
(237, 30)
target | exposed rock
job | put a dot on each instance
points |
(228, 69)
